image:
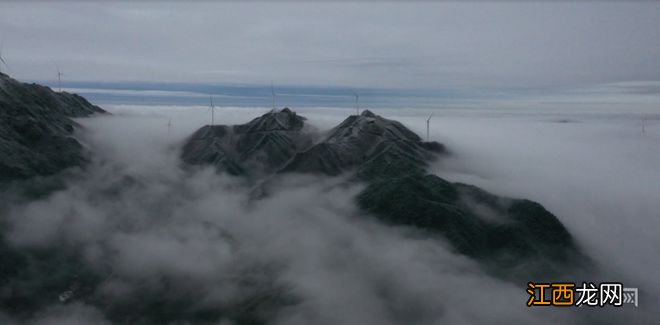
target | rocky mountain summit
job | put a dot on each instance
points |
(258, 147)
(502, 233)
(372, 145)
(36, 129)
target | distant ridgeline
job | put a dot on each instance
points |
(507, 235)
(194, 94)
(36, 129)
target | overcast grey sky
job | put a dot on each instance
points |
(364, 44)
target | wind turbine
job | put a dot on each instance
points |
(212, 111)
(643, 124)
(357, 103)
(272, 92)
(428, 122)
(2, 61)
(59, 79)
(169, 126)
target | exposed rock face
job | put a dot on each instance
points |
(253, 149)
(36, 129)
(501, 232)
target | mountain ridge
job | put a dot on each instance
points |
(36, 129)
(392, 160)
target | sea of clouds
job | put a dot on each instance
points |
(142, 218)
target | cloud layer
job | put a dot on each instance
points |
(142, 221)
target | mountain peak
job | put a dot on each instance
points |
(371, 144)
(36, 130)
(254, 148)
(283, 120)
(367, 113)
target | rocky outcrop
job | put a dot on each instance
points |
(36, 129)
(503, 233)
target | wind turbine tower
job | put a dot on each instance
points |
(212, 111)
(59, 79)
(428, 122)
(643, 124)
(357, 103)
(272, 92)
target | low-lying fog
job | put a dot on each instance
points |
(136, 212)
